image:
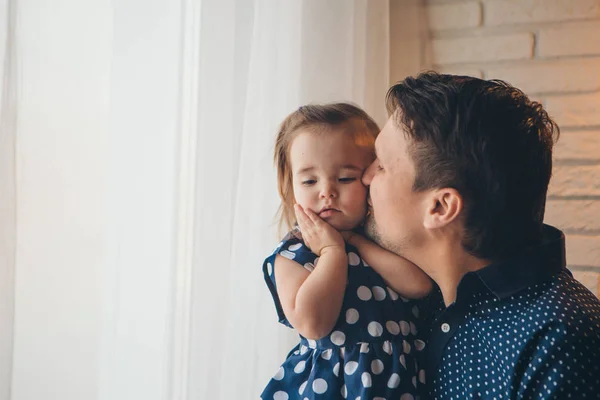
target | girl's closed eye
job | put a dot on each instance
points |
(347, 180)
(309, 182)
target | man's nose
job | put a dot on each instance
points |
(368, 175)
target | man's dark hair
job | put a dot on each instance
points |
(488, 141)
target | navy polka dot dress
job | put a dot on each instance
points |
(371, 352)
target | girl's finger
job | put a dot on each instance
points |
(301, 217)
(315, 219)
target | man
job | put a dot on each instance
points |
(459, 188)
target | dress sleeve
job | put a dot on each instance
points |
(294, 249)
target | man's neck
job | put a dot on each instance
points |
(446, 266)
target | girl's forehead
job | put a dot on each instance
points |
(332, 138)
(328, 150)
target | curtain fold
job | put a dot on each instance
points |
(8, 120)
(262, 60)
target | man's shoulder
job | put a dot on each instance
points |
(562, 301)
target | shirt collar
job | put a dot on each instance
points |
(528, 268)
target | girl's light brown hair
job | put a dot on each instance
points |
(317, 118)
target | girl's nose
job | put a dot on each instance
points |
(328, 192)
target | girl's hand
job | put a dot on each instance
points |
(318, 235)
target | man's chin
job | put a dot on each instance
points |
(371, 230)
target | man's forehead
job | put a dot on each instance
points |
(385, 138)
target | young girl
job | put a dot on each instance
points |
(357, 335)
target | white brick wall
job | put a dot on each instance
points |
(454, 15)
(574, 39)
(511, 12)
(516, 46)
(564, 76)
(551, 50)
(575, 110)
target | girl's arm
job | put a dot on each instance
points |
(400, 274)
(312, 301)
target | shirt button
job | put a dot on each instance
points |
(445, 328)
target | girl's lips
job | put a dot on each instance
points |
(328, 212)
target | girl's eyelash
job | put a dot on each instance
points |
(309, 182)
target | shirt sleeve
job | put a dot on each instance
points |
(561, 361)
(293, 249)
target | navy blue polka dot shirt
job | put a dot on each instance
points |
(521, 329)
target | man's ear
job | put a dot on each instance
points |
(443, 207)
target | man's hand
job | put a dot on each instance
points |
(318, 235)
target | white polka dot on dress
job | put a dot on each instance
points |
(394, 381)
(288, 254)
(405, 328)
(366, 379)
(281, 395)
(319, 386)
(295, 247)
(375, 329)
(393, 295)
(392, 327)
(299, 368)
(378, 293)
(350, 367)
(377, 366)
(364, 293)
(353, 259)
(387, 347)
(352, 316)
(302, 387)
(280, 374)
(338, 338)
(365, 342)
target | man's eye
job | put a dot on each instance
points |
(309, 182)
(347, 180)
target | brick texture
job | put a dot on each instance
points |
(575, 180)
(578, 145)
(575, 110)
(570, 40)
(454, 15)
(458, 70)
(506, 12)
(551, 76)
(589, 278)
(580, 216)
(485, 48)
(583, 250)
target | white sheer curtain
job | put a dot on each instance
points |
(145, 186)
(7, 192)
(260, 61)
